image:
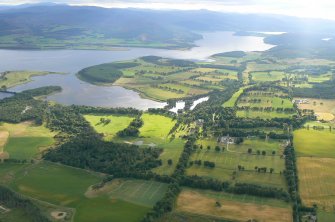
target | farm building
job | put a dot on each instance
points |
(226, 140)
(301, 101)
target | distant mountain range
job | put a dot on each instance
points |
(63, 26)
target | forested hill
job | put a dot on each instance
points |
(62, 26)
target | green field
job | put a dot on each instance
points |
(68, 187)
(232, 101)
(14, 78)
(266, 101)
(267, 104)
(26, 147)
(226, 163)
(156, 126)
(109, 130)
(262, 114)
(155, 130)
(15, 215)
(326, 216)
(255, 144)
(159, 80)
(317, 143)
(155, 133)
(267, 76)
(139, 192)
(25, 140)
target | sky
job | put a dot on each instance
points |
(301, 8)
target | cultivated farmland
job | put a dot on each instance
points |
(204, 203)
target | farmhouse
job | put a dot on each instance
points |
(226, 140)
(301, 101)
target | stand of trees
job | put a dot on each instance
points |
(291, 176)
(261, 191)
(165, 205)
(132, 129)
(23, 106)
(106, 157)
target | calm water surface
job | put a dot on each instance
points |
(78, 92)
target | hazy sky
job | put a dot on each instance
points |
(301, 8)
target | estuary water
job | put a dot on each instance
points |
(78, 92)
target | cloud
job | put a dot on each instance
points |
(301, 8)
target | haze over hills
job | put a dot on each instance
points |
(61, 26)
(239, 128)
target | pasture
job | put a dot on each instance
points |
(156, 126)
(326, 216)
(139, 192)
(255, 144)
(3, 140)
(264, 104)
(265, 101)
(232, 101)
(316, 182)
(24, 140)
(15, 215)
(262, 114)
(155, 133)
(25, 148)
(109, 130)
(14, 78)
(240, 208)
(266, 76)
(316, 143)
(163, 80)
(171, 150)
(66, 187)
(227, 162)
(155, 130)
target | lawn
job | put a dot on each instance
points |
(109, 130)
(316, 143)
(241, 208)
(316, 182)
